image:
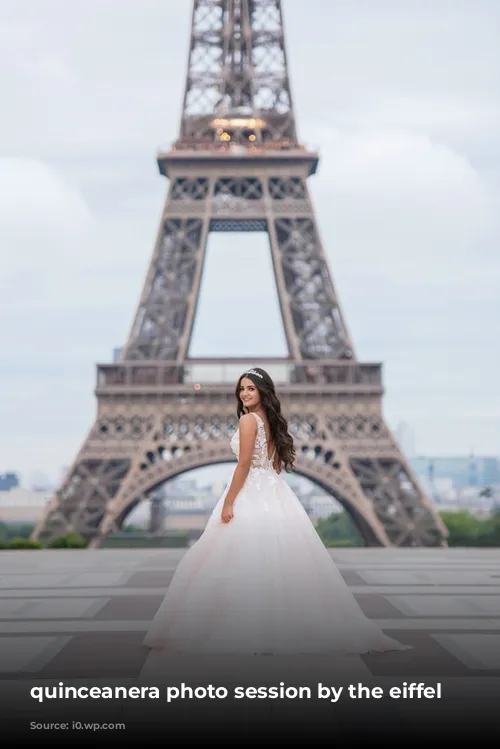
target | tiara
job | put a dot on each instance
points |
(254, 372)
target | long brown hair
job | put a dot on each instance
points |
(280, 436)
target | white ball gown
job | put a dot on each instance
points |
(262, 583)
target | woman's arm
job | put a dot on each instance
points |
(248, 433)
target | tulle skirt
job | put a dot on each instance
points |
(263, 583)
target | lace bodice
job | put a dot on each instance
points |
(259, 456)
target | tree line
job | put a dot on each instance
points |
(465, 529)
(336, 530)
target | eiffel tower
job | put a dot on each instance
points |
(238, 166)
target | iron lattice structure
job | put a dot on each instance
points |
(237, 166)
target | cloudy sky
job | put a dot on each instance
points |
(402, 98)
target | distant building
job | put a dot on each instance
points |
(406, 439)
(9, 481)
(468, 471)
(23, 505)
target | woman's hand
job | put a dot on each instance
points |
(227, 513)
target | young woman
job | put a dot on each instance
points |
(260, 580)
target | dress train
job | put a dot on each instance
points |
(263, 583)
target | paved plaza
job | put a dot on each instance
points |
(82, 614)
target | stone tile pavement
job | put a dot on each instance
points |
(81, 615)
(58, 608)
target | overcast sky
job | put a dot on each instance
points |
(402, 98)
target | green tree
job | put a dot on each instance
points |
(468, 530)
(23, 543)
(338, 530)
(15, 530)
(69, 541)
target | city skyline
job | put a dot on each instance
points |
(222, 472)
(406, 195)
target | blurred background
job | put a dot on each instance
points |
(401, 99)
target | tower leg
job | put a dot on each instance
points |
(152, 426)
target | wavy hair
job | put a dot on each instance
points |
(280, 436)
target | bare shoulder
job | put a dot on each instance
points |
(248, 422)
(248, 431)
